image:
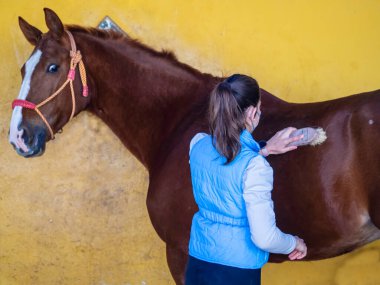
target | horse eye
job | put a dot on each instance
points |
(52, 68)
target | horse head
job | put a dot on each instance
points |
(51, 93)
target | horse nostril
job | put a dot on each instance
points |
(25, 136)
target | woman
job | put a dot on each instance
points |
(234, 229)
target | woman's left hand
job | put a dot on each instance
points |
(279, 142)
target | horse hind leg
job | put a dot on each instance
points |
(374, 208)
(375, 221)
(177, 260)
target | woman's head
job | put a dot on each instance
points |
(234, 106)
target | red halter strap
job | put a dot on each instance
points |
(24, 104)
(76, 58)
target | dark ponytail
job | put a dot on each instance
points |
(228, 103)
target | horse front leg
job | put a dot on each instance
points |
(172, 224)
(171, 207)
(177, 260)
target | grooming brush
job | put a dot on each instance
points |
(311, 136)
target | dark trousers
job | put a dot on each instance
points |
(199, 272)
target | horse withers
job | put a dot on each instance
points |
(327, 195)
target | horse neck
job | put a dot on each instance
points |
(141, 96)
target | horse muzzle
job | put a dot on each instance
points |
(28, 143)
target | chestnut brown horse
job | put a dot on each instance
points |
(327, 195)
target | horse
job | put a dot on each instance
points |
(328, 195)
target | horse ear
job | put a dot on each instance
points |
(32, 34)
(53, 23)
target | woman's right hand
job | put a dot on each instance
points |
(279, 143)
(300, 251)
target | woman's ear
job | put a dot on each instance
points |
(251, 112)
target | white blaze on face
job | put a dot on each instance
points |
(15, 135)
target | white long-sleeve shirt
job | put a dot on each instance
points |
(257, 189)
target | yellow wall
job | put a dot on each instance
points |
(77, 215)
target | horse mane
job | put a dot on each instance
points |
(164, 54)
(115, 35)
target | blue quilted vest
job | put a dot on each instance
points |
(220, 230)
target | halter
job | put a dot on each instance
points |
(76, 58)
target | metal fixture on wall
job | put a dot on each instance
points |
(108, 24)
